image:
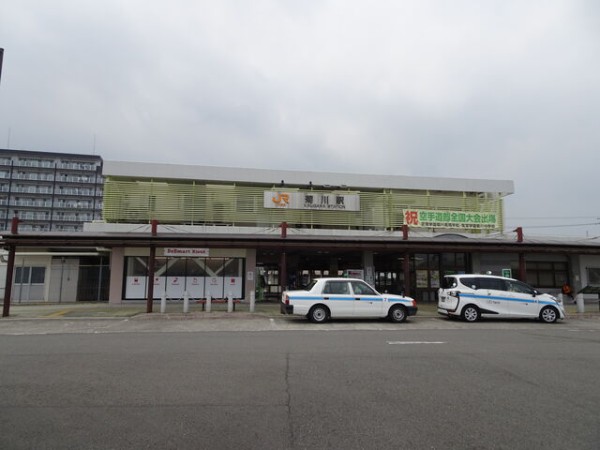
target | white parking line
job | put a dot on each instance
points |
(414, 342)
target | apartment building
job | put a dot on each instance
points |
(49, 191)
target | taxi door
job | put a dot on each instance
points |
(493, 297)
(524, 302)
(367, 301)
(337, 296)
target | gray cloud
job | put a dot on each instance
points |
(499, 89)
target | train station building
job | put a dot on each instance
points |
(173, 230)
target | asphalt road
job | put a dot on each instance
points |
(288, 384)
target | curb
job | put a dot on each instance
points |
(218, 316)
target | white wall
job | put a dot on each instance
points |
(586, 262)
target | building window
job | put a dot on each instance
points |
(547, 274)
(30, 275)
(452, 263)
(593, 274)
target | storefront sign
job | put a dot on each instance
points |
(355, 273)
(450, 219)
(422, 279)
(434, 279)
(186, 252)
(311, 200)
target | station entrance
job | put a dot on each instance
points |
(301, 267)
(425, 271)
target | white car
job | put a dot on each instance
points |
(327, 298)
(474, 296)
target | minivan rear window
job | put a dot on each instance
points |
(471, 282)
(449, 282)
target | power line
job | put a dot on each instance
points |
(554, 218)
(558, 226)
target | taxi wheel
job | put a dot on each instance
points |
(318, 314)
(470, 313)
(548, 315)
(397, 314)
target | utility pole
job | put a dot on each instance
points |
(1, 57)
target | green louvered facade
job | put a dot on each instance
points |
(198, 203)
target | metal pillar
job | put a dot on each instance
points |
(151, 264)
(404, 232)
(522, 268)
(10, 268)
(283, 271)
(1, 58)
(150, 297)
(406, 271)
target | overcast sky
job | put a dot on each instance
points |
(500, 89)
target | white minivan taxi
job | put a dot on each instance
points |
(471, 296)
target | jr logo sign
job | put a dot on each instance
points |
(281, 199)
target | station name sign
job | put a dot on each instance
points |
(185, 252)
(311, 200)
(450, 219)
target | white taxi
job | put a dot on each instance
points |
(474, 296)
(327, 298)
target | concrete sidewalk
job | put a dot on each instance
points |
(137, 310)
(130, 310)
(174, 310)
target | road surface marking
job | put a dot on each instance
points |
(59, 313)
(414, 342)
